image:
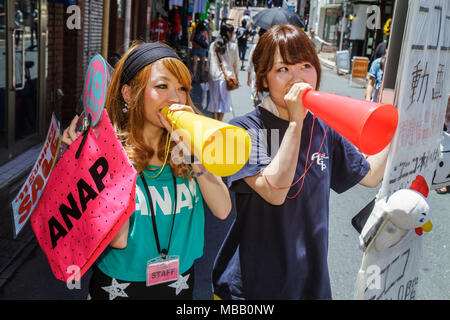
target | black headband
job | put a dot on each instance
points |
(142, 56)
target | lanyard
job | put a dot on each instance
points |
(163, 253)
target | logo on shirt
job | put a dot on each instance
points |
(186, 197)
(319, 157)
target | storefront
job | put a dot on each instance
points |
(23, 26)
(332, 14)
(377, 35)
(23, 109)
(368, 19)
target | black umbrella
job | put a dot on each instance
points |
(270, 17)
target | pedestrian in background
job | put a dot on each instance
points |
(248, 19)
(277, 246)
(224, 13)
(222, 53)
(375, 76)
(200, 44)
(147, 78)
(317, 42)
(379, 52)
(255, 95)
(175, 27)
(242, 36)
(249, 24)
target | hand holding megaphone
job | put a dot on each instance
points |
(223, 149)
(169, 126)
(293, 99)
(182, 145)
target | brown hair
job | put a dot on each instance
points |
(294, 46)
(129, 125)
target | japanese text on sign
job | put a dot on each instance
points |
(27, 198)
(421, 95)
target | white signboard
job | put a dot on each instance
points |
(28, 197)
(343, 59)
(391, 274)
(423, 84)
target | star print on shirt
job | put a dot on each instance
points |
(180, 284)
(116, 289)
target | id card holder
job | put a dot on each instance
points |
(161, 270)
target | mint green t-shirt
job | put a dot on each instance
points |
(187, 241)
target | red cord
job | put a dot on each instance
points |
(307, 155)
(306, 164)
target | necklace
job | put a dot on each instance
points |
(166, 152)
(162, 252)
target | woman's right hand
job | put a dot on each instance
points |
(294, 104)
(70, 134)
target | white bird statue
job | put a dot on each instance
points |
(391, 220)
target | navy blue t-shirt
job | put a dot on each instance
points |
(280, 252)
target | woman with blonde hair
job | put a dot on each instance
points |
(168, 224)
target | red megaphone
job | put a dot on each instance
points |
(370, 126)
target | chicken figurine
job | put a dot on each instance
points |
(391, 220)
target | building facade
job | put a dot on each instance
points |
(359, 23)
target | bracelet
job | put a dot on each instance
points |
(198, 174)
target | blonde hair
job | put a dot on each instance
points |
(129, 125)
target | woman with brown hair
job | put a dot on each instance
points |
(167, 228)
(277, 246)
(223, 62)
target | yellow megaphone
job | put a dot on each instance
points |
(223, 149)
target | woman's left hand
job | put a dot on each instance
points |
(214, 191)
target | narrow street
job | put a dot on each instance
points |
(34, 279)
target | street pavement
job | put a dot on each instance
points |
(34, 279)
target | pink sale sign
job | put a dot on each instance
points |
(95, 88)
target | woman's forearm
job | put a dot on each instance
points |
(214, 192)
(377, 167)
(280, 172)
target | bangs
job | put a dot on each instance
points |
(294, 48)
(183, 75)
(179, 70)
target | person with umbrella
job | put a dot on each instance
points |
(278, 244)
(275, 16)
